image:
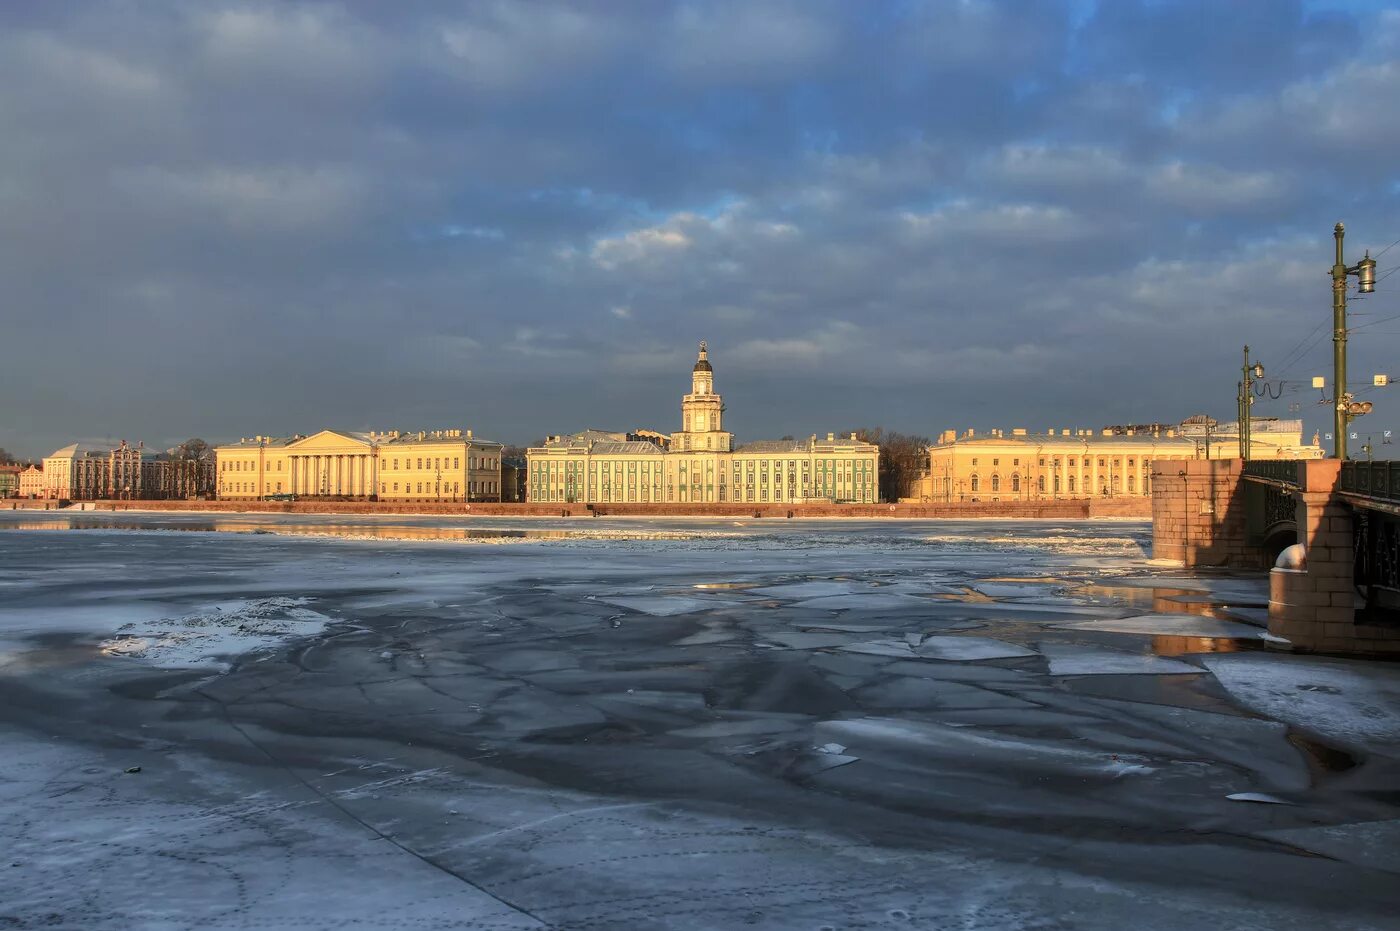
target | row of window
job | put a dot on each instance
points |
(1072, 461)
(432, 462)
(1116, 484)
(453, 488)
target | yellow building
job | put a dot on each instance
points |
(700, 463)
(1019, 465)
(31, 482)
(441, 465)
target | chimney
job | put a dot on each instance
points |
(1018, 431)
(831, 438)
(1131, 433)
(469, 434)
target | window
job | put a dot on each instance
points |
(456, 462)
(976, 484)
(1071, 484)
(996, 481)
(974, 461)
(996, 462)
(1015, 482)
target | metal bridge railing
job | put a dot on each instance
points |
(1374, 479)
(1275, 470)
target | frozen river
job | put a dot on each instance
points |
(223, 721)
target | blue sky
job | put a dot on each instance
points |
(229, 218)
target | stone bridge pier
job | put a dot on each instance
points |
(1329, 550)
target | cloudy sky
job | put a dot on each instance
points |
(228, 218)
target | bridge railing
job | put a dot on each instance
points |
(1274, 470)
(1373, 479)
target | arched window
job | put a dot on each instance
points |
(976, 483)
(1071, 484)
(1117, 484)
(1132, 484)
(1040, 484)
(1016, 482)
(1057, 484)
(996, 483)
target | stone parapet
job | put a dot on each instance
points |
(1068, 509)
(1198, 514)
(1314, 607)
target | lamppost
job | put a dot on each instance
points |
(1246, 399)
(1365, 272)
(437, 487)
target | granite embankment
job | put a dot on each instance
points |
(1071, 509)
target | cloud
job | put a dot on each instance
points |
(983, 212)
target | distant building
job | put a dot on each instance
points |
(9, 479)
(86, 472)
(700, 462)
(31, 482)
(1112, 462)
(438, 465)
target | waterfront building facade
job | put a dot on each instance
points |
(438, 465)
(9, 479)
(701, 463)
(85, 472)
(31, 482)
(1114, 462)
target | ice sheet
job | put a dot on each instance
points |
(1354, 701)
(1179, 625)
(662, 605)
(964, 649)
(211, 638)
(1077, 660)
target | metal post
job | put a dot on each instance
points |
(1339, 347)
(1246, 401)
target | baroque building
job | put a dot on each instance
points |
(436, 465)
(1018, 465)
(700, 463)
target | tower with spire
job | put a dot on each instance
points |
(702, 411)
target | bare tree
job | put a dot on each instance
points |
(903, 459)
(193, 448)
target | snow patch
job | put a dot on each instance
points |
(211, 637)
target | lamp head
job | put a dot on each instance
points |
(1366, 275)
(1258, 370)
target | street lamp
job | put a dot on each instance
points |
(1342, 404)
(1250, 374)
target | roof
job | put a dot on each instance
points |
(629, 447)
(586, 438)
(775, 446)
(1092, 439)
(74, 450)
(254, 442)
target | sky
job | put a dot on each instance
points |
(222, 219)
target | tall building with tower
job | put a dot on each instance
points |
(700, 463)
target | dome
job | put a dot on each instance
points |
(703, 363)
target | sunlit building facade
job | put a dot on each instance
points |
(436, 465)
(700, 463)
(1018, 465)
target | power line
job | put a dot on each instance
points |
(1386, 249)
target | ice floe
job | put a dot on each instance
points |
(1069, 659)
(1174, 625)
(211, 638)
(1346, 700)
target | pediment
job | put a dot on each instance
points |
(330, 441)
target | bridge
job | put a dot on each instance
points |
(1326, 530)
